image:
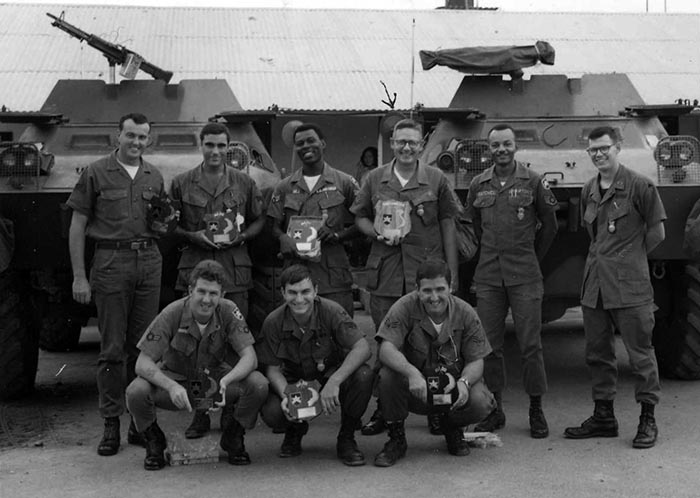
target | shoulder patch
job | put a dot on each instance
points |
(237, 313)
(275, 198)
(391, 324)
(545, 183)
(152, 337)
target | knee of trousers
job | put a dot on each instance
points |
(138, 392)
(255, 386)
(272, 413)
(481, 402)
(362, 379)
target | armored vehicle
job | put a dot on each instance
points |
(552, 116)
(76, 125)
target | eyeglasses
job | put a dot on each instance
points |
(603, 149)
(412, 144)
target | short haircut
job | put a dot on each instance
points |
(214, 129)
(500, 127)
(601, 131)
(295, 274)
(136, 117)
(408, 123)
(433, 268)
(307, 127)
(209, 270)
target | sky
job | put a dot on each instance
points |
(670, 6)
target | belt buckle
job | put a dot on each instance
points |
(136, 245)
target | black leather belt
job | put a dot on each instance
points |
(125, 245)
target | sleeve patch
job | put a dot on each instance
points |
(153, 337)
(237, 314)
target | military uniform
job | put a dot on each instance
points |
(507, 218)
(313, 353)
(461, 340)
(126, 268)
(617, 291)
(331, 197)
(175, 342)
(391, 270)
(237, 192)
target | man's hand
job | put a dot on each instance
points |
(416, 384)
(178, 395)
(81, 290)
(394, 240)
(325, 234)
(463, 396)
(200, 238)
(454, 284)
(330, 400)
(287, 246)
(222, 392)
(285, 409)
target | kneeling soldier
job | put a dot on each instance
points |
(312, 338)
(185, 360)
(426, 335)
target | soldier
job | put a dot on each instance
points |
(313, 338)
(392, 262)
(214, 188)
(109, 205)
(623, 215)
(513, 211)
(425, 329)
(317, 189)
(184, 354)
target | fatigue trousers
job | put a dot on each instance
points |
(397, 401)
(355, 393)
(246, 397)
(525, 302)
(126, 288)
(636, 325)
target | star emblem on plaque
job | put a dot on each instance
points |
(442, 388)
(302, 399)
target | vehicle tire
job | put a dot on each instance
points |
(61, 323)
(677, 328)
(19, 340)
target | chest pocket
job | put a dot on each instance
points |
(619, 215)
(114, 204)
(184, 344)
(425, 206)
(194, 207)
(333, 202)
(324, 351)
(293, 203)
(233, 200)
(288, 349)
(418, 348)
(520, 197)
(485, 199)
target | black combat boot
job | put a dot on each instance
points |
(454, 437)
(647, 432)
(155, 447)
(200, 425)
(346, 447)
(232, 433)
(494, 420)
(134, 436)
(434, 424)
(602, 424)
(538, 424)
(376, 424)
(395, 448)
(291, 446)
(109, 445)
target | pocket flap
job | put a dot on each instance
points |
(114, 194)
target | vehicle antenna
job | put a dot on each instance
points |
(413, 62)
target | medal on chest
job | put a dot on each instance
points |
(611, 226)
(521, 213)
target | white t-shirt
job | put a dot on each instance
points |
(403, 181)
(311, 181)
(438, 326)
(132, 170)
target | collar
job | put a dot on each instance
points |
(187, 322)
(619, 183)
(298, 178)
(289, 324)
(420, 174)
(223, 184)
(113, 163)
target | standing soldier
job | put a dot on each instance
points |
(623, 215)
(430, 208)
(513, 211)
(215, 188)
(109, 205)
(317, 189)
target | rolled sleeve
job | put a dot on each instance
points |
(82, 199)
(276, 208)
(447, 204)
(394, 328)
(475, 345)
(652, 206)
(362, 206)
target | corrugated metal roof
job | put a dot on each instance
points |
(336, 59)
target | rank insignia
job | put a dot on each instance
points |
(302, 400)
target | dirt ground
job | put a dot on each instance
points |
(48, 441)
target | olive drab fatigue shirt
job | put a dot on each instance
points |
(616, 266)
(174, 340)
(115, 204)
(461, 339)
(508, 218)
(391, 270)
(237, 192)
(332, 196)
(313, 352)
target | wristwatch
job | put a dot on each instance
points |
(466, 382)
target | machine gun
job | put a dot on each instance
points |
(116, 54)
